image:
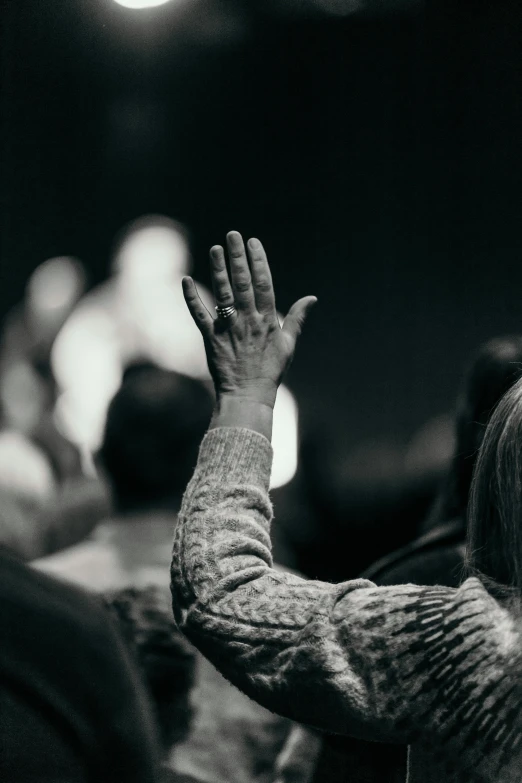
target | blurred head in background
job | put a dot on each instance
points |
(52, 292)
(492, 371)
(27, 386)
(154, 427)
(152, 250)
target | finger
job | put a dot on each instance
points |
(261, 277)
(198, 311)
(239, 272)
(220, 280)
(294, 321)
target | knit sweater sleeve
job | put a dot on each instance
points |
(383, 663)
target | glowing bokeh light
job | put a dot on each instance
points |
(87, 365)
(141, 3)
(284, 439)
(152, 253)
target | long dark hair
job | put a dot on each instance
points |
(494, 543)
(494, 368)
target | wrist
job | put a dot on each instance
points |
(234, 409)
(263, 393)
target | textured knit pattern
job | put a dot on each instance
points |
(435, 667)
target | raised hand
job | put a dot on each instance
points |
(247, 352)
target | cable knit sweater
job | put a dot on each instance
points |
(434, 667)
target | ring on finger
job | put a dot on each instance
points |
(224, 313)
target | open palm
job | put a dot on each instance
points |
(249, 352)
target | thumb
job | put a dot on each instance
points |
(297, 314)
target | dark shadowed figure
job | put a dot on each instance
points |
(437, 557)
(72, 704)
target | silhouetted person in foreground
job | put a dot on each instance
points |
(72, 705)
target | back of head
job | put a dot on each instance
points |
(52, 291)
(494, 550)
(154, 426)
(494, 368)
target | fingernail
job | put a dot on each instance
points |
(254, 244)
(234, 238)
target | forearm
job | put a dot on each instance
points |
(232, 463)
(230, 601)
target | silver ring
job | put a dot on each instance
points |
(225, 312)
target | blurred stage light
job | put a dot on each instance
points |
(87, 366)
(141, 3)
(284, 439)
(154, 251)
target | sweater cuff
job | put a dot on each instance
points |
(235, 455)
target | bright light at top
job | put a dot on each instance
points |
(141, 3)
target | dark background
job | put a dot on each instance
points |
(377, 156)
